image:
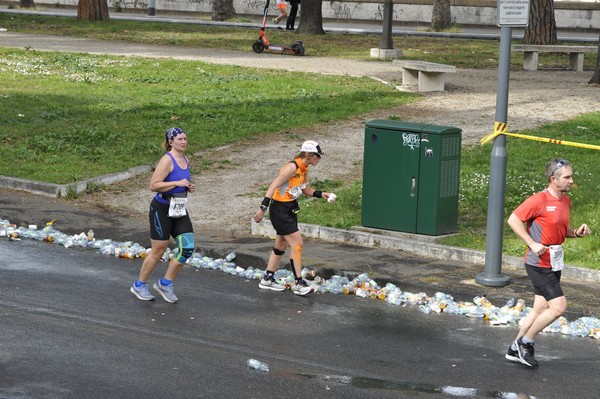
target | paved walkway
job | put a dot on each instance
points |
(337, 26)
(246, 59)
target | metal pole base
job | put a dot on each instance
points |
(499, 280)
(151, 11)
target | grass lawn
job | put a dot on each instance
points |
(67, 117)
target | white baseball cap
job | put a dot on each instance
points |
(312, 146)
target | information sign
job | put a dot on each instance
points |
(512, 13)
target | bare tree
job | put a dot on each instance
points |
(26, 4)
(312, 18)
(596, 77)
(441, 17)
(222, 10)
(542, 25)
(92, 10)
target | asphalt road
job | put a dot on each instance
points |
(70, 328)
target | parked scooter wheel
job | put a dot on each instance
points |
(298, 48)
(258, 47)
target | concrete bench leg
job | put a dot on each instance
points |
(432, 81)
(410, 77)
(576, 61)
(530, 60)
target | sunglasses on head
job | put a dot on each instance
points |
(556, 167)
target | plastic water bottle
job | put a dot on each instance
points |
(510, 303)
(258, 365)
(230, 257)
(520, 305)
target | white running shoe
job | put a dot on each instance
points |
(267, 284)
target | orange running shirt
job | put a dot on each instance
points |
(292, 189)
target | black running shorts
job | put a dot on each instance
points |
(162, 226)
(284, 217)
(546, 282)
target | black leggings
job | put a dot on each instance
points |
(162, 226)
(291, 19)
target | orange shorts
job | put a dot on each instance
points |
(282, 7)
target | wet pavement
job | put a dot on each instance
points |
(72, 329)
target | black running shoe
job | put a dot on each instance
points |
(512, 355)
(526, 353)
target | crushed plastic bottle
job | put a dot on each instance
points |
(231, 256)
(482, 301)
(258, 365)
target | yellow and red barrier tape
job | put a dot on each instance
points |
(500, 128)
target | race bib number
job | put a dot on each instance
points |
(296, 191)
(557, 257)
(177, 207)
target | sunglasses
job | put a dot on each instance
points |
(558, 165)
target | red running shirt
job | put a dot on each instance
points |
(547, 221)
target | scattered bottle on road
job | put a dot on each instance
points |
(258, 365)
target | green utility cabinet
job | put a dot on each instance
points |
(410, 177)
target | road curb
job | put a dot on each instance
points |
(415, 244)
(62, 190)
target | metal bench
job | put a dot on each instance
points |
(424, 75)
(531, 52)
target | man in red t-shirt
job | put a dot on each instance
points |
(547, 217)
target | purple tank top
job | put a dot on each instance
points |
(175, 175)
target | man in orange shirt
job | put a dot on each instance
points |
(547, 217)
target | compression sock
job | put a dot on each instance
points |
(526, 340)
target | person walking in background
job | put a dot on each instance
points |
(280, 200)
(283, 14)
(168, 216)
(546, 215)
(291, 19)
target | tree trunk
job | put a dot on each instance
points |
(596, 77)
(312, 18)
(26, 4)
(441, 17)
(542, 25)
(222, 10)
(92, 10)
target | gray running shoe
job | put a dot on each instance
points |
(166, 291)
(302, 289)
(268, 284)
(142, 292)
